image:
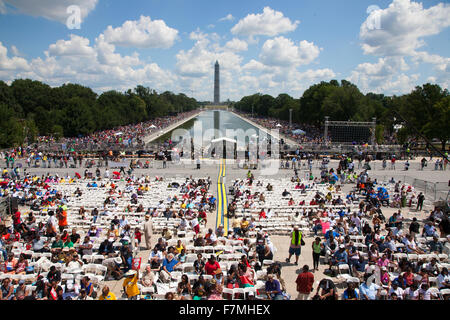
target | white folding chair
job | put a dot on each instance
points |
(227, 294)
(240, 292)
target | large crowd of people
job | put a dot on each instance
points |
(119, 138)
(72, 234)
(68, 237)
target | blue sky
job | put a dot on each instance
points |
(272, 47)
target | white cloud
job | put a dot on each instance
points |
(143, 33)
(198, 61)
(2, 7)
(401, 27)
(55, 10)
(254, 65)
(269, 23)
(228, 17)
(396, 33)
(106, 54)
(283, 52)
(440, 63)
(15, 51)
(11, 64)
(97, 66)
(76, 46)
(237, 45)
(385, 76)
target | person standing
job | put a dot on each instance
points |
(130, 284)
(305, 281)
(148, 226)
(296, 245)
(423, 163)
(414, 227)
(420, 200)
(317, 247)
(62, 219)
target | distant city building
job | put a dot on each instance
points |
(216, 83)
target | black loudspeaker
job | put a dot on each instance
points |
(14, 204)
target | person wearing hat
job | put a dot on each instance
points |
(73, 262)
(130, 284)
(148, 227)
(384, 277)
(61, 213)
(296, 245)
(395, 288)
(113, 267)
(21, 291)
(339, 257)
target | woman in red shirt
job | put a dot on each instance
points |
(212, 267)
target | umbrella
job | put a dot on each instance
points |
(152, 126)
(298, 131)
(116, 173)
(279, 125)
(78, 175)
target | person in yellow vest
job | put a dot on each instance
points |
(130, 284)
(296, 245)
(107, 294)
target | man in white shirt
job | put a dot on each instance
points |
(123, 222)
(411, 246)
(155, 256)
(161, 205)
(412, 292)
(332, 222)
(390, 243)
(211, 238)
(75, 263)
(425, 292)
(357, 221)
(397, 290)
(194, 224)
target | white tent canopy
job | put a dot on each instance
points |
(223, 139)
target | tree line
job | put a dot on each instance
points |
(31, 108)
(425, 111)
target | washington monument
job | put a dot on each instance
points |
(216, 83)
